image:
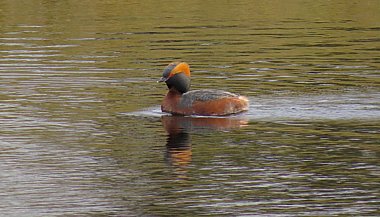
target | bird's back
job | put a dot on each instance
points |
(204, 95)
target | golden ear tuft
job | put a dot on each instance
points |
(181, 67)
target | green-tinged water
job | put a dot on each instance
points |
(82, 134)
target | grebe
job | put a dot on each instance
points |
(208, 102)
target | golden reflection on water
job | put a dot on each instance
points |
(179, 131)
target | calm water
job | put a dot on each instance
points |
(81, 132)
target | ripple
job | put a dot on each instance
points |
(81, 131)
(314, 107)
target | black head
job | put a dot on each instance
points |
(177, 76)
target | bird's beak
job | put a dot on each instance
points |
(162, 79)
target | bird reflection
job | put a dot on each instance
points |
(179, 149)
(179, 129)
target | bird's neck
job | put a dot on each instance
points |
(173, 92)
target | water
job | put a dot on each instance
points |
(81, 131)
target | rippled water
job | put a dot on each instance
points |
(81, 131)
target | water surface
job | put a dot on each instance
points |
(81, 131)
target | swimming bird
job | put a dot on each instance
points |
(180, 100)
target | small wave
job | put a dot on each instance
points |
(318, 107)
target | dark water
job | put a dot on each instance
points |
(81, 132)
